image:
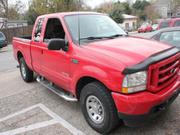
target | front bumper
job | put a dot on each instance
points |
(140, 120)
(144, 105)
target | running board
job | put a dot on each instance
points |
(60, 92)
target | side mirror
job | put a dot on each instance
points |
(58, 44)
(127, 32)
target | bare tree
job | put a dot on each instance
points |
(4, 8)
(175, 6)
(14, 11)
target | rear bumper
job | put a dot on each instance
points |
(3, 45)
(144, 105)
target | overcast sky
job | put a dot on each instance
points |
(91, 3)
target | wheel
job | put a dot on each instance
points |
(26, 73)
(98, 107)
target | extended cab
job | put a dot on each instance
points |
(87, 57)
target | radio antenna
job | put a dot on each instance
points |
(79, 39)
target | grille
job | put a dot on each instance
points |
(163, 73)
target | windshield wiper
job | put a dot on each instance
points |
(92, 38)
(116, 35)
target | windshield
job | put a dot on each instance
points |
(92, 27)
(2, 36)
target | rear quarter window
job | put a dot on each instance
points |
(38, 30)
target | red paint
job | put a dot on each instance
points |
(102, 60)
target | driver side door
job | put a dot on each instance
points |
(55, 64)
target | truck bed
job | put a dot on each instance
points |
(23, 45)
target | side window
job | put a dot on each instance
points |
(177, 23)
(54, 29)
(164, 24)
(38, 30)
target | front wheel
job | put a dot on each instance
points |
(26, 73)
(98, 107)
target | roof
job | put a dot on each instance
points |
(168, 29)
(126, 16)
(164, 30)
(69, 13)
(151, 34)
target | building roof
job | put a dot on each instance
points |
(17, 21)
(126, 16)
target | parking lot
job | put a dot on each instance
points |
(30, 109)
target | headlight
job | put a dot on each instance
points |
(134, 82)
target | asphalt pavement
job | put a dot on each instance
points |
(31, 109)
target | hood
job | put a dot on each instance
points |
(126, 50)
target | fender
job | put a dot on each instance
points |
(111, 79)
(27, 60)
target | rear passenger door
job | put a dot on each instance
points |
(36, 50)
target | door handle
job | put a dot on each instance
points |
(42, 51)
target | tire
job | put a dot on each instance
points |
(26, 73)
(109, 119)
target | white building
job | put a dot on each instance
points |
(165, 8)
(4, 23)
(130, 22)
(16, 23)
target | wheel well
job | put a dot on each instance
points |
(82, 82)
(19, 55)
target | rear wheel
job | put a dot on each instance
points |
(98, 107)
(26, 73)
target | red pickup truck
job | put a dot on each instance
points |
(87, 57)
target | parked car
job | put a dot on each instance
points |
(3, 40)
(87, 57)
(168, 35)
(145, 28)
(173, 22)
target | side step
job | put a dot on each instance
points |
(60, 92)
